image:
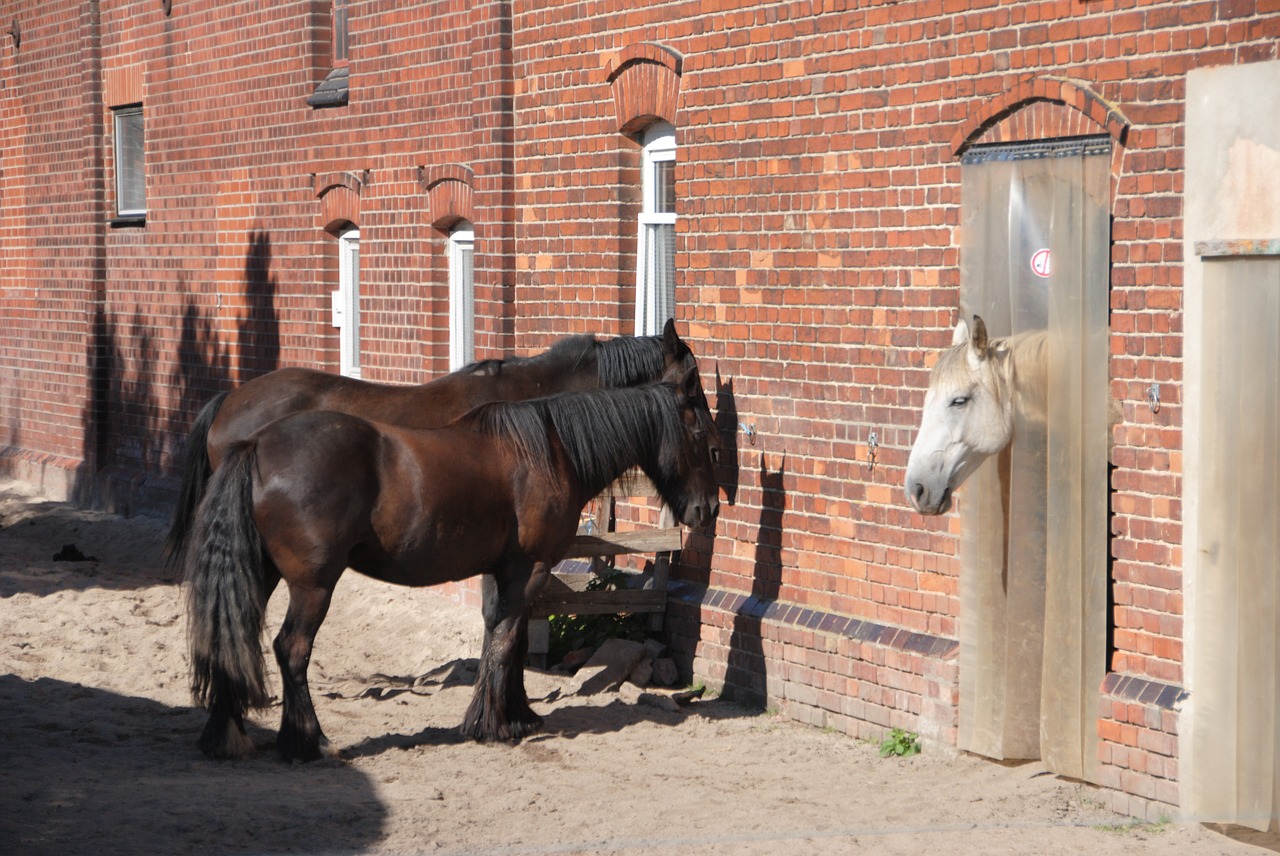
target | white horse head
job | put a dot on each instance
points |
(969, 409)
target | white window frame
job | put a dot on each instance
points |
(346, 302)
(130, 162)
(462, 295)
(659, 143)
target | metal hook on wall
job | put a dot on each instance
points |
(750, 431)
(1153, 397)
(873, 445)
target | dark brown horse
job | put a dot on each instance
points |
(574, 363)
(497, 492)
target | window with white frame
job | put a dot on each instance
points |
(462, 295)
(131, 174)
(346, 302)
(656, 248)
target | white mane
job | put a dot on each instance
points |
(1027, 368)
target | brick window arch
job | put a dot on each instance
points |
(339, 195)
(645, 80)
(450, 195)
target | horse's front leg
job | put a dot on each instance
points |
(490, 594)
(499, 708)
(300, 736)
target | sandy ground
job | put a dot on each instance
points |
(99, 754)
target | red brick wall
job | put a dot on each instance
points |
(50, 211)
(818, 186)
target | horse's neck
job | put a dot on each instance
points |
(1027, 372)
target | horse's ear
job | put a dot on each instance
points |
(690, 383)
(961, 334)
(670, 338)
(979, 340)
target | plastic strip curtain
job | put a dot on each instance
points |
(1234, 745)
(1036, 256)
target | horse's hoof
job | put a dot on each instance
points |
(226, 743)
(510, 731)
(292, 748)
(524, 727)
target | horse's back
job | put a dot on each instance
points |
(263, 400)
(293, 389)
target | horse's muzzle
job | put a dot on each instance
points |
(929, 502)
(698, 515)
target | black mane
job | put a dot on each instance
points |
(629, 360)
(621, 361)
(603, 432)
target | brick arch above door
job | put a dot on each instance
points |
(1042, 108)
(1046, 108)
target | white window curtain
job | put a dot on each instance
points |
(131, 177)
(462, 296)
(1033, 595)
(656, 248)
(346, 302)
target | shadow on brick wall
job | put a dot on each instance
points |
(137, 420)
(695, 558)
(745, 673)
(727, 425)
(125, 436)
(259, 328)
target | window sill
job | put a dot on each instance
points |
(332, 91)
(128, 221)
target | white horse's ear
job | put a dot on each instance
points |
(961, 334)
(979, 340)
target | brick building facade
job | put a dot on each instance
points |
(818, 235)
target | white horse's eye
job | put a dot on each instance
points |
(960, 401)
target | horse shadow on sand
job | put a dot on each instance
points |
(70, 748)
(564, 716)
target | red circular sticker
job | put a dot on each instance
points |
(1040, 263)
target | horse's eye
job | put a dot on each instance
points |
(960, 401)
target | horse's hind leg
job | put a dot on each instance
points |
(224, 734)
(300, 736)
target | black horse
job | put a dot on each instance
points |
(572, 364)
(497, 492)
